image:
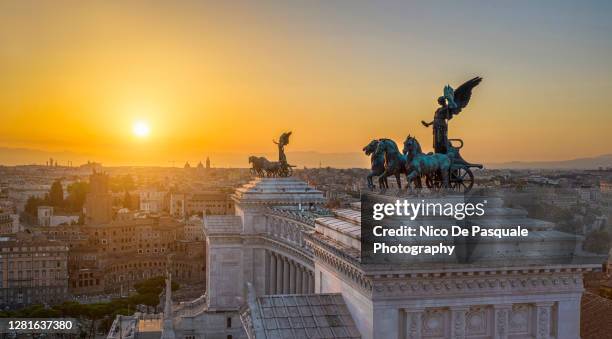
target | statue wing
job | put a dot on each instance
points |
(284, 138)
(463, 93)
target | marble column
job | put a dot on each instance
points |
(500, 322)
(311, 285)
(413, 320)
(285, 276)
(298, 279)
(267, 269)
(458, 321)
(292, 277)
(272, 274)
(543, 311)
(279, 274)
(304, 281)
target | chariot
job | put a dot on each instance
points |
(265, 168)
(460, 176)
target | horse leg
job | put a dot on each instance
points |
(417, 183)
(382, 181)
(370, 181)
(399, 181)
(412, 176)
(445, 179)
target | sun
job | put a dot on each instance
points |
(141, 129)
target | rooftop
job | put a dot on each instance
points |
(301, 316)
(278, 191)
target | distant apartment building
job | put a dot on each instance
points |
(33, 270)
(588, 193)
(6, 223)
(44, 214)
(19, 193)
(153, 201)
(210, 203)
(130, 249)
(605, 187)
(194, 229)
(46, 217)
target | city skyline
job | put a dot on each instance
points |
(226, 79)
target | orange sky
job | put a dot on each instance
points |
(214, 79)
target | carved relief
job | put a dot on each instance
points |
(519, 319)
(434, 322)
(476, 320)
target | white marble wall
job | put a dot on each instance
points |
(393, 311)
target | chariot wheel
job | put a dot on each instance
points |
(285, 171)
(461, 180)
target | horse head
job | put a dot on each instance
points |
(252, 159)
(411, 146)
(371, 147)
(388, 148)
(381, 147)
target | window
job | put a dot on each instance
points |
(229, 322)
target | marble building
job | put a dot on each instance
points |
(282, 243)
(517, 289)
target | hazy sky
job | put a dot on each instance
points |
(212, 77)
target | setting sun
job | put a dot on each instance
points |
(141, 129)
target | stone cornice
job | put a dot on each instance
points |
(477, 286)
(349, 271)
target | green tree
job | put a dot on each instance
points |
(96, 312)
(33, 203)
(56, 194)
(77, 192)
(154, 285)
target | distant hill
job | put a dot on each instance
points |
(311, 159)
(604, 161)
(26, 156)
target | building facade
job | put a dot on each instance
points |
(98, 202)
(32, 270)
(184, 205)
(6, 223)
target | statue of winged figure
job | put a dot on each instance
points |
(282, 142)
(451, 104)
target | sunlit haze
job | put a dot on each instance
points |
(225, 78)
(141, 129)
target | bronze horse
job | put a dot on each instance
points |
(419, 164)
(378, 164)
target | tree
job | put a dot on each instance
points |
(32, 205)
(77, 192)
(56, 194)
(154, 285)
(122, 183)
(127, 199)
